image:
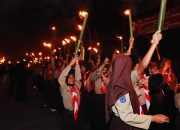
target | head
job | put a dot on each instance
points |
(156, 83)
(120, 83)
(105, 69)
(85, 66)
(83, 69)
(135, 61)
(121, 69)
(165, 62)
(59, 63)
(153, 68)
(70, 79)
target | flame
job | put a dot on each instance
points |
(53, 28)
(79, 27)
(83, 14)
(127, 12)
(119, 37)
(98, 44)
(63, 42)
(9, 62)
(40, 53)
(95, 50)
(117, 51)
(89, 48)
(47, 44)
(2, 60)
(67, 40)
(73, 38)
(32, 54)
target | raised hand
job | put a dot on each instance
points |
(131, 41)
(73, 61)
(156, 37)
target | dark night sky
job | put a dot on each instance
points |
(25, 24)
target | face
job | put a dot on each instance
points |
(71, 79)
(59, 63)
(83, 69)
(154, 70)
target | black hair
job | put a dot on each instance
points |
(86, 64)
(71, 72)
(134, 60)
(156, 83)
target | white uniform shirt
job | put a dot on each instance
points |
(139, 91)
(124, 110)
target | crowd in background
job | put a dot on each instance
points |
(77, 89)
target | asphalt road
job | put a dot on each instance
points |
(27, 115)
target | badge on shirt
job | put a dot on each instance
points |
(122, 99)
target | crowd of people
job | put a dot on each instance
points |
(122, 92)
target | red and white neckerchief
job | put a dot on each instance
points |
(74, 102)
(103, 87)
(146, 91)
(85, 81)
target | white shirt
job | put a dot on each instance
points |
(124, 110)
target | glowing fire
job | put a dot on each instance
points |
(83, 14)
(127, 12)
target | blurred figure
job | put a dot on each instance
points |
(177, 103)
(167, 72)
(162, 101)
(21, 78)
(100, 88)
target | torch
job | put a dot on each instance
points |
(162, 14)
(85, 16)
(128, 12)
(161, 20)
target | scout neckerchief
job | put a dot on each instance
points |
(74, 101)
(103, 87)
(146, 91)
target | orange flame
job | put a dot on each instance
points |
(83, 14)
(127, 12)
(79, 27)
(73, 38)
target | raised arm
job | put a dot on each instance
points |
(131, 42)
(97, 73)
(63, 75)
(77, 71)
(145, 61)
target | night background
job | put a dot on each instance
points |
(26, 24)
(29, 86)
